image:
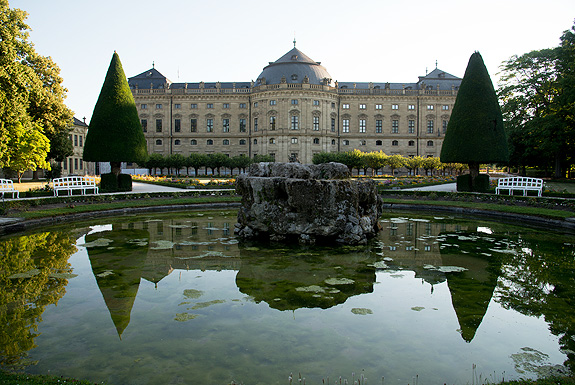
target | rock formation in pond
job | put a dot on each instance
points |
(312, 203)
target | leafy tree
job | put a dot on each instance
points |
(395, 162)
(31, 91)
(60, 145)
(262, 158)
(527, 90)
(196, 161)
(241, 162)
(216, 161)
(177, 161)
(27, 149)
(413, 163)
(475, 132)
(375, 160)
(430, 164)
(115, 134)
(153, 162)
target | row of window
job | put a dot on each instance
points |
(78, 140)
(294, 125)
(295, 102)
(394, 126)
(394, 143)
(193, 106)
(243, 142)
(410, 107)
(73, 164)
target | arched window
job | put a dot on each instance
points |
(333, 142)
(315, 140)
(177, 142)
(411, 143)
(378, 143)
(395, 143)
(272, 140)
(158, 142)
(362, 142)
(255, 141)
(346, 142)
(226, 142)
(430, 143)
(210, 142)
(193, 142)
(242, 142)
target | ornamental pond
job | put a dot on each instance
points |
(177, 299)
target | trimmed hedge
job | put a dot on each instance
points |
(481, 183)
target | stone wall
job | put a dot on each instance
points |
(285, 201)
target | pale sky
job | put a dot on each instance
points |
(232, 40)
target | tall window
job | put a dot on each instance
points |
(81, 139)
(76, 140)
(226, 125)
(177, 106)
(293, 140)
(445, 107)
(332, 124)
(378, 106)
(255, 124)
(226, 105)
(144, 123)
(193, 125)
(430, 106)
(411, 107)
(316, 123)
(158, 125)
(177, 125)
(295, 122)
(242, 125)
(272, 122)
(158, 106)
(394, 126)
(193, 106)
(210, 105)
(345, 106)
(316, 102)
(345, 125)
(445, 126)
(362, 124)
(430, 126)
(411, 126)
(362, 106)
(395, 106)
(294, 102)
(273, 102)
(379, 126)
(210, 125)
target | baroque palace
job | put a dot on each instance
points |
(294, 109)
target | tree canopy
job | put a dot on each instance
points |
(115, 134)
(537, 90)
(475, 132)
(31, 91)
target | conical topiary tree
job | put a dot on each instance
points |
(115, 134)
(475, 132)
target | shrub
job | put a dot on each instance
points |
(108, 183)
(124, 182)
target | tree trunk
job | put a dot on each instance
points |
(558, 173)
(116, 168)
(474, 173)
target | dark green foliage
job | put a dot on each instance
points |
(115, 133)
(108, 183)
(55, 172)
(475, 132)
(124, 182)
(481, 183)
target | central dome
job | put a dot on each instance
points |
(294, 67)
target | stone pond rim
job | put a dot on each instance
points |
(310, 203)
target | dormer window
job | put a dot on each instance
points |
(294, 57)
(294, 77)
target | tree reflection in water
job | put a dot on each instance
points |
(33, 274)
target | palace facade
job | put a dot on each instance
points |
(294, 109)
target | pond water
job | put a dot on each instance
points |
(176, 299)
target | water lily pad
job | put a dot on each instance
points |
(100, 242)
(193, 293)
(105, 274)
(67, 275)
(311, 289)
(339, 281)
(183, 317)
(379, 265)
(201, 305)
(162, 245)
(417, 308)
(361, 311)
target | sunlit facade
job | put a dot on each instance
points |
(294, 109)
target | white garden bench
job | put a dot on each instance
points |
(71, 183)
(7, 186)
(519, 183)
